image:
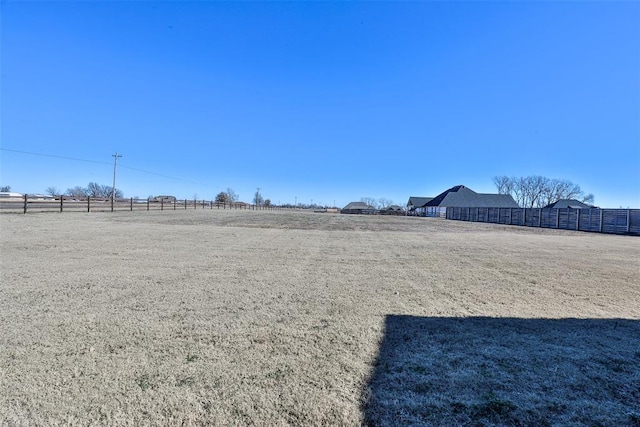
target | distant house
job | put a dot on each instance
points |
(416, 205)
(164, 199)
(392, 210)
(463, 197)
(10, 195)
(358, 208)
(568, 203)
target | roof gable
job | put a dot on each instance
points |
(418, 202)
(568, 203)
(358, 205)
(463, 197)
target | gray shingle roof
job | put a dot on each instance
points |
(568, 203)
(463, 197)
(418, 202)
(358, 205)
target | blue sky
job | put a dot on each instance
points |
(322, 101)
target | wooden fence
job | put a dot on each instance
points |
(93, 204)
(612, 221)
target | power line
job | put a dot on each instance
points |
(100, 162)
(52, 155)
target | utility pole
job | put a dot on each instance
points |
(113, 190)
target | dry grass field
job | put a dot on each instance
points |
(214, 317)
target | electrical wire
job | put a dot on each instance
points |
(102, 163)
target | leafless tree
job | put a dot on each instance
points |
(538, 191)
(231, 195)
(257, 198)
(52, 191)
(369, 201)
(504, 184)
(77, 191)
(384, 203)
(94, 190)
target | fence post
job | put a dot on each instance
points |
(148, 202)
(557, 217)
(628, 220)
(88, 204)
(540, 218)
(185, 204)
(577, 219)
(174, 203)
(162, 204)
(601, 219)
(195, 204)
(131, 204)
(25, 204)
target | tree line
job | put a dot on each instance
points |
(93, 189)
(539, 191)
(379, 204)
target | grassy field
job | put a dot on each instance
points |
(210, 317)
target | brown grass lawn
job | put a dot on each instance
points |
(210, 317)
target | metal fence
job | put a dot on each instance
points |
(612, 221)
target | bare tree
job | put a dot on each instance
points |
(384, 203)
(77, 191)
(94, 190)
(370, 201)
(5, 188)
(504, 184)
(231, 195)
(102, 191)
(257, 198)
(52, 191)
(538, 191)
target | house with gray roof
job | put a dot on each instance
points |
(392, 210)
(358, 208)
(463, 197)
(416, 205)
(568, 203)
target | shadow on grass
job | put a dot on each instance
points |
(505, 371)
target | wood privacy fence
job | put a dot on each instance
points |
(613, 221)
(94, 204)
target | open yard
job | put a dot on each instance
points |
(212, 317)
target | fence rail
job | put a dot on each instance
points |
(93, 204)
(611, 221)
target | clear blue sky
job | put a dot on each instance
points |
(321, 100)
